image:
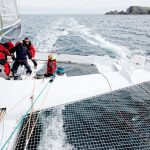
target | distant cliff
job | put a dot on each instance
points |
(132, 10)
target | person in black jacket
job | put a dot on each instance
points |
(21, 58)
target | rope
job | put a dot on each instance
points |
(37, 119)
(26, 124)
(32, 98)
(2, 113)
(2, 132)
(24, 117)
(21, 101)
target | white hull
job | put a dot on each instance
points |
(112, 76)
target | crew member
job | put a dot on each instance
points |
(31, 50)
(8, 46)
(51, 66)
(3, 62)
(21, 58)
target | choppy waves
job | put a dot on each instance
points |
(86, 35)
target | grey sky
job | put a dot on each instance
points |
(76, 6)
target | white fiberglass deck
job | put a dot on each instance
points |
(16, 95)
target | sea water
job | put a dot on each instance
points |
(114, 36)
(92, 124)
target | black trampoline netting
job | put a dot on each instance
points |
(115, 121)
(74, 69)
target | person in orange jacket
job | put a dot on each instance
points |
(31, 50)
(51, 66)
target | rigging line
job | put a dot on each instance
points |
(127, 123)
(37, 117)
(2, 131)
(2, 113)
(21, 101)
(2, 120)
(20, 134)
(32, 98)
(24, 116)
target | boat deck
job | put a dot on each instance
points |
(17, 96)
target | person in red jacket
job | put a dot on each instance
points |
(9, 46)
(51, 66)
(3, 52)
(3, 61)
(31, 50)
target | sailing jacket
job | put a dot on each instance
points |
(9, 45)
(31, 50)
(3, 52)
(21, 52)
(51, 66)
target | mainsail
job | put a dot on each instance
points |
(10, 25)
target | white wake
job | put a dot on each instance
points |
(46, 39)
(54, 137)
(96, 39)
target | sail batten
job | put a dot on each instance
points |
(10, 24)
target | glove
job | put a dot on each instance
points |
(30, 56)
(13, 57)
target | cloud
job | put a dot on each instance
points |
(60, 6)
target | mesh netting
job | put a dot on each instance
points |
(78, 69)
(74, 69)
(114, 121)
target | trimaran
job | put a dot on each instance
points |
(21, 98)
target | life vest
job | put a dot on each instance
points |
(3, 51)
(51, 66)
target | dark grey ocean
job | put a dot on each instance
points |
(119, 120)
(89, 34)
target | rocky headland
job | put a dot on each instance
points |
(132, 10)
